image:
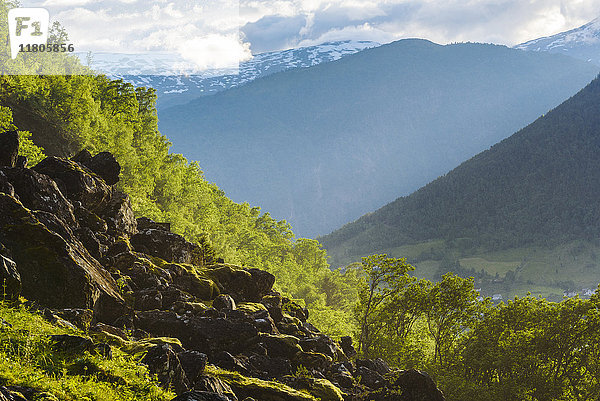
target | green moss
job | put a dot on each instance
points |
(324, 390)
(251, 307)
(258, 389)
(138, 347)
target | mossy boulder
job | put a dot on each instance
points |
(244, 285)
(324, 390)
(259, 389)
(56, 272)
(76, 182)
(280, 345)
(39, 192)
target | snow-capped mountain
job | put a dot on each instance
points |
(582, 43)
(162, 71)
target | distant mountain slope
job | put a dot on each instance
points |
(161, 70)
(323, 145)
(582, 43)
(540, 186)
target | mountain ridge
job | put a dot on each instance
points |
(538, 186)
(310, 145)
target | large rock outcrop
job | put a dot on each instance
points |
(69, 241)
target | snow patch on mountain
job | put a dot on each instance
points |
(582, 43)
(163, 71)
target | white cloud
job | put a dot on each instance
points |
(171, 25)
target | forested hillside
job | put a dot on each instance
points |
(323, 145)
(67, 113)
(541, 186)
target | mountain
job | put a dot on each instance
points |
(539, 188)
(323, 145)
(162, 71)
(582, 43)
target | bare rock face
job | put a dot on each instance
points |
(163, 361)
(106, 166)
(76, 182)
(39, 192)
(10, 279)
(9, 148)
(168, 246)
(119, 215)
(103, 164)
(417, 386)
(55, 271)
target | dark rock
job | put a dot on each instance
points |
(168, 246)
(324, 345)
(12, 393)
(227, 361)
(370, 378)
(119, 215)
(280, 345)
(21, 162)
(214, 385)
(90, 220)
(201, 396)
(148, 300)
(378, 365)
(224, 302)
(202, 334)
(262, 284)
(193, 363)
(9, 148)
(106, 166)
(56, 320)
(56, 272)
(417, 386)
(10, 279)
(293, 309)
(71, 344)
(341, 375)
(6, 187)
(312, 360)
(244, 285)
(347, 347)
(144, 223)
(186, 280)
(89, 241)
(143, 273)
(268, 368)
(76, 182)
(113, 331)
(83, 157)
(55, 225)
(163, 361)
(81, 318)
(39, 192)
(273, 304)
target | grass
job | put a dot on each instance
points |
(544, 271)
(27, 359)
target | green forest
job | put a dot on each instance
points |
(525, 349)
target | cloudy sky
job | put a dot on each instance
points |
(216, 26)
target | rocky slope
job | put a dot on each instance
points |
(69, 242)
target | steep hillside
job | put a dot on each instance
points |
(323, 145)
(539, 187)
